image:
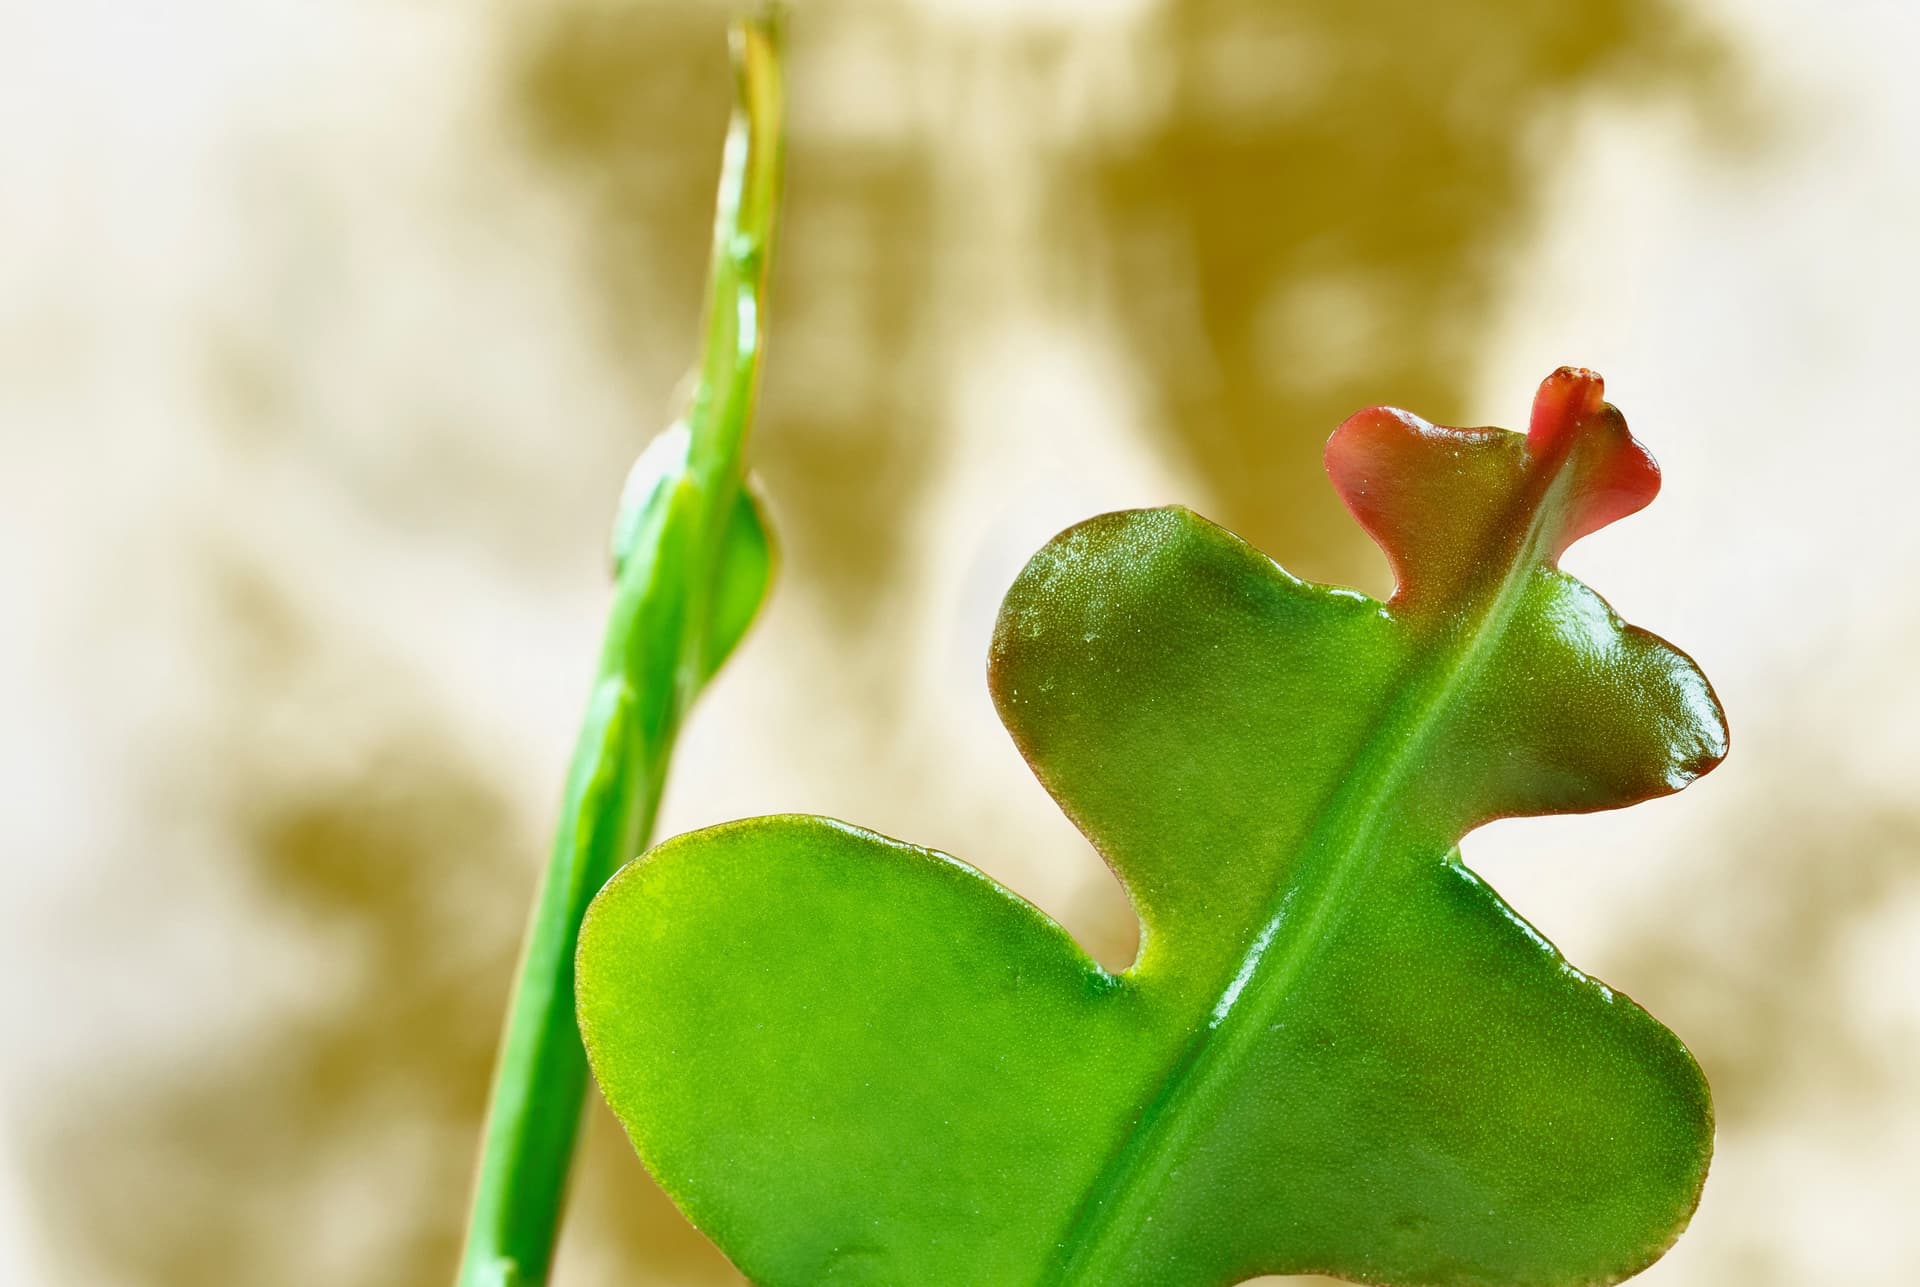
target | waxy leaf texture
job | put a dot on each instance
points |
(852, 1060)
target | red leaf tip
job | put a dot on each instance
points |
(1568, 397)
(1573, 428)
(1438, 500)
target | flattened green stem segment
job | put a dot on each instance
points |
(1347, 838)
(854, 1061)
(692, 561)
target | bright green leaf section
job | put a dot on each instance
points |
(850, 1060)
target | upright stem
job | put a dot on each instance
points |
(676, 557)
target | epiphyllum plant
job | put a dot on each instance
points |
(691, 560)
(849, 1059)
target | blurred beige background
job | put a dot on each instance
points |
(328, 331)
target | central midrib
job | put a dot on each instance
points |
(1334, 850)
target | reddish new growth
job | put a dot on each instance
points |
(1448, 505)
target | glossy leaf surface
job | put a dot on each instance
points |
(851, 1060)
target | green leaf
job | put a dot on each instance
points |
(851, 1060)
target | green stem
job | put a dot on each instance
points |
(678, 530)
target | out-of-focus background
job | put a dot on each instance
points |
(327, 333)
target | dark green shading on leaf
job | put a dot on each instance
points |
(852, 1060)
